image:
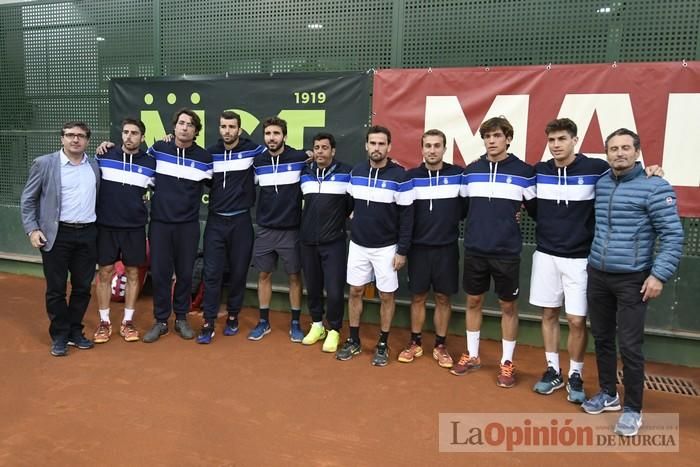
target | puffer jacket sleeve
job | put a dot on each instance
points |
(663, 212)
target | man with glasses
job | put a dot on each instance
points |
(58, 215)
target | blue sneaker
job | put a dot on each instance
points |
(231, 328)
(81, 342)
(206, 334)
(58, 348)
(295, 332)
(260, 330)
(550, 382)
(629, 422)
(601, 402)
(575, 389)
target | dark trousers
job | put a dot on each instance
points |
(173, 248)
(324, 266)
(74, 251)
(616, 309)
(227, 240)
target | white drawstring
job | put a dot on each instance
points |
(376, 175)
(227, 156)
(566, 187)
(178, 156)
(275, 165)
(492, 177)
(131, 165)
(559, 186)
(320, 180)
(430, 182)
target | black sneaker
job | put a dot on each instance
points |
(575, 389)
(183, 328)
(550, 382)
(381, 354)
(153, 334)
(80, 341)
(349, 349)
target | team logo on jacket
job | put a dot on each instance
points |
(445, 182)
(669, 200)
(192, 164)
(333, 178)
(289, 167)
(509, 180)
(240, 155)
(580, 180)
(140, 170)
(383, 184)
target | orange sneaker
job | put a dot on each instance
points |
(102, 333)
(506, 379)
(465, 365)
(128, 331)
(442, 356)
(411, 352)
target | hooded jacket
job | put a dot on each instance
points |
(383, 209)
(438, 207)
(233, 185)
(565, 205)
(494, 193)
(180, 177)
(327, 204)
(279, 201)
(125, 180)
(631, 211)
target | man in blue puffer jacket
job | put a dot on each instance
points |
(631, 210)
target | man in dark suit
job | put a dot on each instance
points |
(58, 215)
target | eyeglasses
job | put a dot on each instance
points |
(185, 124)
(74, 135)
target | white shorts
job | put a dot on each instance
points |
(364, 264)
(556, 281)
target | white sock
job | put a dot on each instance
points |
(128, 314)
(318, 324)
(552, 360)
(508, 349)
(576, 367)
(473, 343)
(104, 315)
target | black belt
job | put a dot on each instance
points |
(75, 225)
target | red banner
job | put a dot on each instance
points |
(660, 101)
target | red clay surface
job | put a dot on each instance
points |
(238, 402)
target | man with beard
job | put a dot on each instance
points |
(228, 235)
(127, 173)
(278, 215)
(382, 224)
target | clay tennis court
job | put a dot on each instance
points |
(238, 402)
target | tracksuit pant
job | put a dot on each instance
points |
(173, 248)
(324, 266)
(228, 240)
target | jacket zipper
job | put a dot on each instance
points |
(607, 238)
